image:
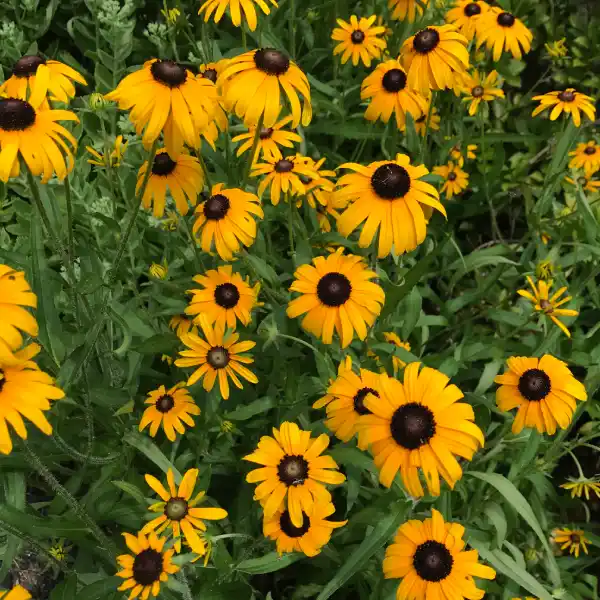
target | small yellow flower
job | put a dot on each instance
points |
(544, 269)
(556, 49)
(171, 15)
(571, 539)
(545, 237)
(108, 160)
(392, 338)
(585, 183)
(455, 179)
(457, 155)
(582, 486)
(159, 271)
(570, 101)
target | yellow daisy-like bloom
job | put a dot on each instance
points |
(430, 558)
(465, 14)
(16, 593)
(293, 471)
(543, 389)
(500, 30)
(455, 179)
(393, 338)
(359, 40)
(419, 424)
(238, 9)
(169, 409)
(434, 121)
(456, 154)
(147, 566)
(573, 540)
(333, 204)
(225, 298)
(318, 189)
(15, 296)
(478, 90)
(179, 511)
(25, 391)
(269, 140)
(212, 70)
(108, 160)
(181, 324)
(570, 101)
(406, 9)
(337, 294)
(164, 96)
(217, 356)
(283, 176)
(586, 156)
(589, 185)
(250, 85)
(388, 197)
(549, 305)
(226, 220)
(387, 89)
(59, 80)
(182, 177)
(434, 57)
(582, 487)
(308, 538)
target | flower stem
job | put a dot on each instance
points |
(292, 28)
(494, 221)
(425, 137)
(291, 202)
(187, 592)
(253, 150)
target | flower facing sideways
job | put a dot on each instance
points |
(569, 101)
(572, 540)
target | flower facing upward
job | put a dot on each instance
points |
(386, 87)
(336, 294)
(16, 593)
(107, 160)
(269, 140)
(465, 14)
(182, 177)
(573, 540)
(225, 298)
(217, 357)
(293, 473)
(549, 305)
(434, 57)
(586, 156)
(147, 566)
(500, 30)
(406, 9)
(543, 389)
(478, 90)
(585, 183)
(238, 9)
(164, 96)
(582, 487)
(455, 179)
(393, 338)
(434, 121)
(570, 101)
(387, 196)
(226, 220)
(179, 511)
(171, 409)
(430, 558)
(250, 86)
(359, 40)
(314, 533)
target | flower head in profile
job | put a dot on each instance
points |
(108, 159)
(477, 89)
(181, 324)
(392, 338)
(582, 487)
(319, 188)
(456, 153)
(422, 125)
(573, 540)
(586, 156)
(238, 9)
(332, 207)
(569, 101)
(500, 30)
(465, 14)
(407, 10)
(270, 140)
(456, 180)
(16, 593)
(359, 40)
(584, 183)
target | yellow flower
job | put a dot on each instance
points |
(238, 9)
(582, 486)
(171, 221)
(269, 140)
(456, 180)
(465, 15)
(16, 593)
(166, 358)
(171, 15)
(585, 183)
(545, 237)
(499, 30)
(407, 10)
(457, 155)
(586, 156)
(434, 121)
(572, 539)
(159, 271)
(570, 101)
(58, 551)
(108, 160)
(477, 90)
(557, 49)
(359, 40)
(392, 338)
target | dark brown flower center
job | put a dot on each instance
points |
(265, 133)
(394, 80)
(176, 509)
(284, 166)
(216, 207)
(432, 561)
(357, 37)
(27, 65)
(165, 403)
(566, 96)
(412, 425)
(505, 19)
(477, 91)
(16, 115)
(168, 72)
(217, 357)
(290, 529)
(147, 567)
(271, 61)
(226, 295)
(163, 165)
(582, 181)
(451, 176)
(2, 380)
(359, 400)
(426, 40)
(292, 469)
(472, 9)
(390, 181)
(590, 150)
(210, 74)
(534, 385)
(575, 538)
(334, 289)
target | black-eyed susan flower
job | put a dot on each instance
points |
(270, 139)
(211, 70)
(336, 294)
(181, 324)
(251, 86)
(406, 10)
(582, 487)
(455, 179)
(165, 97)
(386, 88)
(25, 391)
(456, 153)
(388, 197)
(28, 129)
(434, 121)
(59, 79)
(586, 156)
(308, 538)
(344, 401)
(420, 424)
(282, 176)
(573, 540)
(549, 305)
(569, 101)
(294, 472)
(147, 566)
(430, 558)
(502, 31)
(477, 89)
(434, 57)
(238, 9)
(359, 40)
(16, 593)
(392, 338)
(333, 204)
(108, 159)
(218, 356)
(183, 178)
(225, 298)
(585, 183)
(227, 220)
(179, 511)
(170, 409)
(318, 188)
(465, 14)
(543, 389)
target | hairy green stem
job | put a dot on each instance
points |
(253, 150)
(75, 454)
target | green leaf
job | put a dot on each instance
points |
(411, 312)
(268, 564)
(67, 590)
(246, 411)
(104, 589)
(487, 376)
(262, 268)
(161, 343)
(479, 259)
(132, 490)
(38, 528)
(152, 451)
(496, 516)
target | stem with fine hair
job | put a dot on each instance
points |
(187, 592)
(253, 149)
